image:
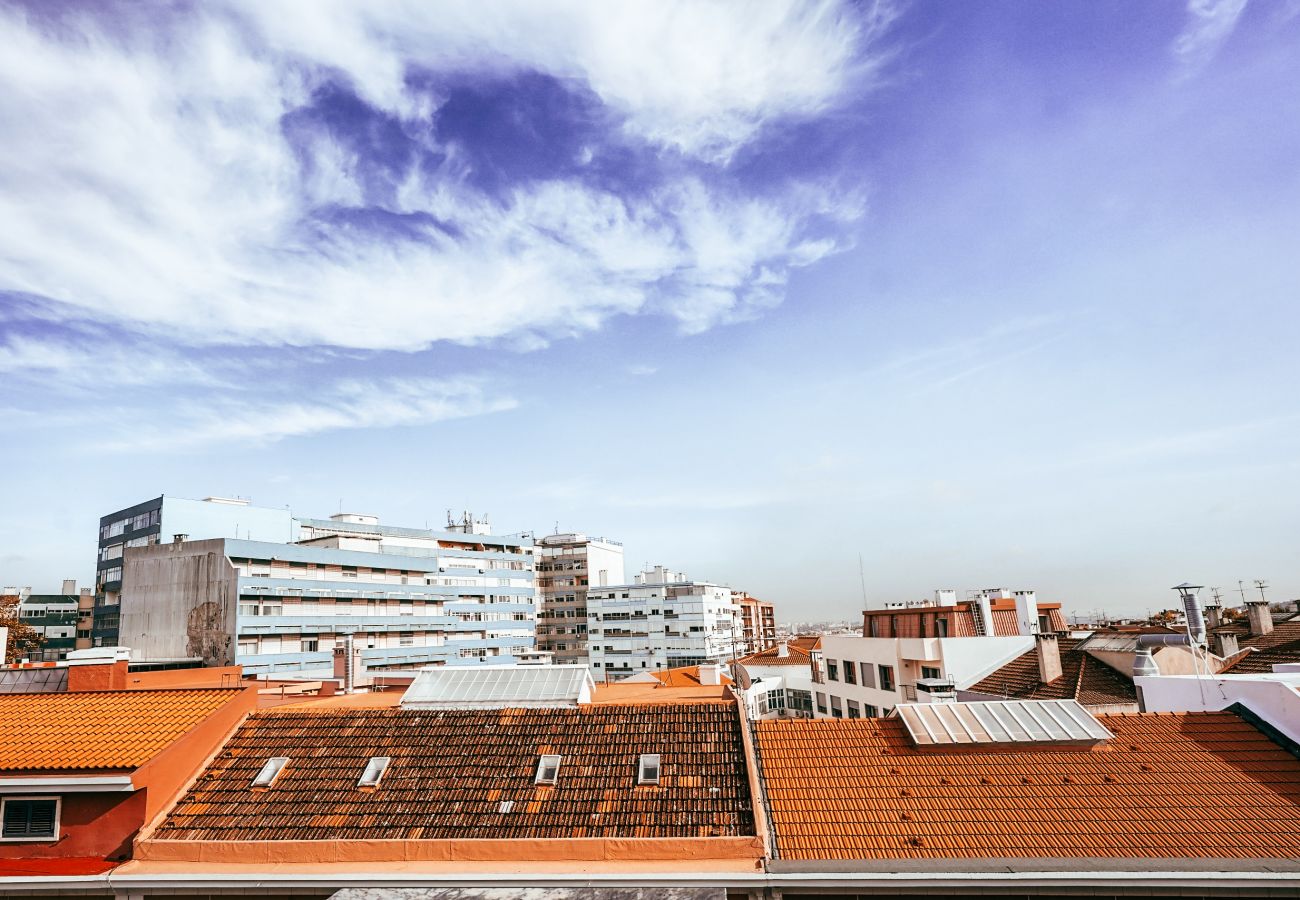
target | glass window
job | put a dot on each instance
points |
(832, 670)
(886, 678)
(849, 672)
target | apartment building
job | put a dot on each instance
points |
(662, 620)
(157, 520)
(919, 651)
(54, 617)
(407, 597)
(567, 566)
(757, 623)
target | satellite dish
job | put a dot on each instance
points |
(740, 676)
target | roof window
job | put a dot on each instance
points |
(548, 769)
(374, 771)
(648, 769)
(270, 771)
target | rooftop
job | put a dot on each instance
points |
(1167, 786)
(1281, 645)
(1083, 678)
(458, 774)
(796, 655)
(98, 729)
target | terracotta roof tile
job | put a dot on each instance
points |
(1190, 785)
(1281, 645)
(684, 676)
(99, 729)
(1082, 678)
(452, 770)
(796, 656)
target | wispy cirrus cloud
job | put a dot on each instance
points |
(392, 175)
(1209, 24)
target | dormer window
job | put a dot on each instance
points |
(648, 769)
(548, 769)
(270, 771)
(374, 771)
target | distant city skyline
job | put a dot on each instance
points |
(992, 294)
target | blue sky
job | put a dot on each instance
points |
(990, 294)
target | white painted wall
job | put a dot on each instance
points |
(1273, 698)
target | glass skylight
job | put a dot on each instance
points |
(374, 771)
(648, 769)
(270, 771)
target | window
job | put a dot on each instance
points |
(886, 678)
(34, 819)
(548, 769)
(310, 643)
(648, 769)
(849, 672)
(406, 639)
(930, 672)
(868, 674)
(374, 771)
(941, 627)
(836, 711)
(821, 703)
(270, 771)
(870, 711)
(852, 708)
(832, 670)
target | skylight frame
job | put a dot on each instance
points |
(649, 769)
(374, 771)
(270, 771)
(548, 768)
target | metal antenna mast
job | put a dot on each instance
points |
(1261, 584)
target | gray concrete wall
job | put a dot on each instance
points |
(179, 602)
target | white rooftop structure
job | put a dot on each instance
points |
(499, 687)
(1001, 722)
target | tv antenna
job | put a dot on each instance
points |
(1261, 584)
(1241, 589)
(862, 576)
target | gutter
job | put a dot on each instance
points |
(68, 784)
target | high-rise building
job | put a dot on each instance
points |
(758, 623)
(54, 617)
(661, 621)
(407, 597)
(568, 565)
(158, 520)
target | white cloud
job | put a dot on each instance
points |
(1209, 24)
(343, 405)
(147, 180)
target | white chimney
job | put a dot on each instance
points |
(983, 612)
(711, 673)
(1049, 657)
(69, 586)
(1027, 611)
(783, 649)
(945, 597)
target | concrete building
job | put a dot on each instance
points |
(757, 623)
(156, 521)
(662, 620)
(407, 597)
(54, 617)
(923, 650)
(567, 566)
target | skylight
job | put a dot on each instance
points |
(1001, 722)
(270, 771)
(548, 769)
(374, 771)
(648, 770)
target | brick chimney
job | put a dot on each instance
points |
(98, 669)
(1049, 657)
(1261, 620)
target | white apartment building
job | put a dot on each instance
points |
(568, 565)
(661, 621)
(926, 650)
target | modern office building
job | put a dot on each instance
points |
(407, 597)
(158, 520)
(662, 620)
(567, 566)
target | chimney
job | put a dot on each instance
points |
(179, 538)
(783, 649)
(945, 597)
(69, 586)
(98, 669)
(710, 673)
(1049, 657)
(1261, 620)
(1225, 644)
(1027, 611)
(1213, 617)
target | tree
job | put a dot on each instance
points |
(24, 640)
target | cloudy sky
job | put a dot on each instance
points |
(986, 293)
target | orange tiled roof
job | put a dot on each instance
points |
(1281, 645)
(684, 676)
(1082, 678)
(98, 729)
(1170, 785)
(797, 656)
(452, 770)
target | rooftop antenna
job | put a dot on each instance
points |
(1261, 584)
(1241, 589)
(863, 578)
(1217, 595)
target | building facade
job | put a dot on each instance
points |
(910, 652)
(758, 623)
(567, 566)
(158, 520)
(662, 620)
(54, 617)
(407, 597)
